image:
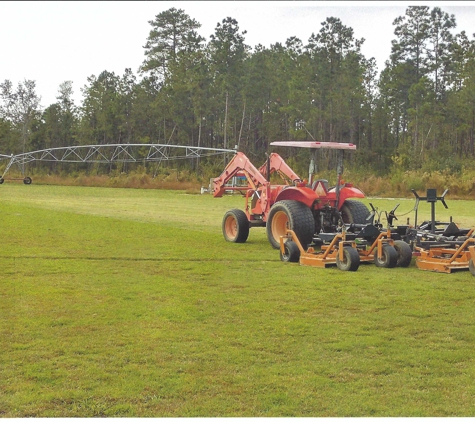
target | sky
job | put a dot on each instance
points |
(53, 42)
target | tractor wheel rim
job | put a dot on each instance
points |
(280, 223)
(231, 227)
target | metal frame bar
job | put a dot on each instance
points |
(110, 153)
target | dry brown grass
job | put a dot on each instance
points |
(134, 181)
(461, 186)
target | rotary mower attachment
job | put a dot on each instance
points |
(356, 243)
(447, 256)
(382, 246)
(336, 250)
(439, 246)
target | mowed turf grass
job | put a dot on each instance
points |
(122, 302)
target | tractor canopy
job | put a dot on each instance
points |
(314, 145)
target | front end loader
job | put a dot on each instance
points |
(305, 207)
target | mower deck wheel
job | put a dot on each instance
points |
(292, 252)
(389, 258)
(351, 259)
(404, 253)
(471, 267)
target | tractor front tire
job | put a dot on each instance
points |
(351, 259)
(292, 252)
(404, 253)
(354, 212)
(235, 226)
(389, 258)
(293, 215)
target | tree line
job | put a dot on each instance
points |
(418, 112)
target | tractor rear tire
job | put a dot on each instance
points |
(404, 253)
(292, 252)
(351, 259)
(354, 212)
(293, 215)
(235, 226)
(389, 258)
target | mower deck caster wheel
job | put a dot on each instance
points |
(471, 267)
(292, 252)
(351, 259)
(404, 253)
(389, 258)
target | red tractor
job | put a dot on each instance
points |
(306, 208)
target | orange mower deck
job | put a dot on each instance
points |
(385, 252)
(445, 258)
(347, 254)
(339, 252)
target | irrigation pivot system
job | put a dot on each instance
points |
(109, 153)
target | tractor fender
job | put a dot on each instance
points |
(300, 194)
(347, 192)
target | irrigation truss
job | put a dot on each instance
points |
(111, 153)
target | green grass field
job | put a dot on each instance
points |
(124, 302)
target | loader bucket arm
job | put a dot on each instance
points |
(239, 163)
(275, 163)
